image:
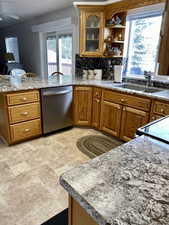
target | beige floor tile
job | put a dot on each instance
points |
(30, 192)
(20, 168)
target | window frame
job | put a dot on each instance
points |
(13, 36)
(57, 35)
(146, 12)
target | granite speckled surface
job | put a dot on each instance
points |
(126, 186)
(18, 84)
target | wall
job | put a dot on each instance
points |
(29, 44)
(2, 46)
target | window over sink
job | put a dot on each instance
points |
(142, 41)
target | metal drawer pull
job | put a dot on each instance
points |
(27, 130)
(122, 100)
(23, 99)
(97, 100)
(24, 113)
(162, 110)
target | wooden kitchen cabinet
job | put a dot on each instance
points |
(96, 107)
(91, 31)
(77, 215)
(82, 105)
(111, 118)
(154, 117)
(20, 116)
(160, 108)
(132, 119)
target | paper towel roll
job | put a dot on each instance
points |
(118, 72)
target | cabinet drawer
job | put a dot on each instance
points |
(128, 100)
(97, 93)
(154, 117)
(25, 130)
(22, 98)
(24, 112)
(161, 108)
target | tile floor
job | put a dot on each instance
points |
(30, 193)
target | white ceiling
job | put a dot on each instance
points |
(31, 8)
(26, 9)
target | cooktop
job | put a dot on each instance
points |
(158, 129)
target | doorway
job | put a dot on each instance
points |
(59, 53)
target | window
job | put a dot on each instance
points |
(59, 53)
(65, 54)
(12, 47)
(143, 39)
(51, 54)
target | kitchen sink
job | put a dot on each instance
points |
(139, 88)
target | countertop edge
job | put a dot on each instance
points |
(82, 202)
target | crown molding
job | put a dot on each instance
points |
(105, 3)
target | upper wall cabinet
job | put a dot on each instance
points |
(91, 32)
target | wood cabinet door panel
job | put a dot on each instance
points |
(77, 215)
(82, 105)
(132, 119)
(111, 118)
(96, 113)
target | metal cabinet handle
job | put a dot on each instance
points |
(122, 100)
(23, 99)
(26, 130)
(162, 110)
(24, 113)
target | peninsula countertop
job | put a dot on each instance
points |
(11, 84)
(126, 186)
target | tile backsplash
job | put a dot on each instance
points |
(91, 63)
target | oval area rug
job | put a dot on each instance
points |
(95, 145)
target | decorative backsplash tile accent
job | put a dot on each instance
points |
(90, 63)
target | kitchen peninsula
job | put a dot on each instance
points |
(128, 185)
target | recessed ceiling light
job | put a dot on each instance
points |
(1, 19)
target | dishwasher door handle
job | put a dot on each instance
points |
(56, 93)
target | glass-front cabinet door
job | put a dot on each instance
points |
(91, 35)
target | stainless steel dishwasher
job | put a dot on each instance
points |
(56, 108)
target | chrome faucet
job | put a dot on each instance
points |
(148, 77)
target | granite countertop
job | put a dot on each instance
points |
(126, 186)
(9, 84)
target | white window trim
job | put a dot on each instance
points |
(147, 11)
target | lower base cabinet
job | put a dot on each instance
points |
(77, 215)
(82, 106)
(111, 118)
(154, 117)
(132, 119)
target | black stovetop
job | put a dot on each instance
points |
(158, 129)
